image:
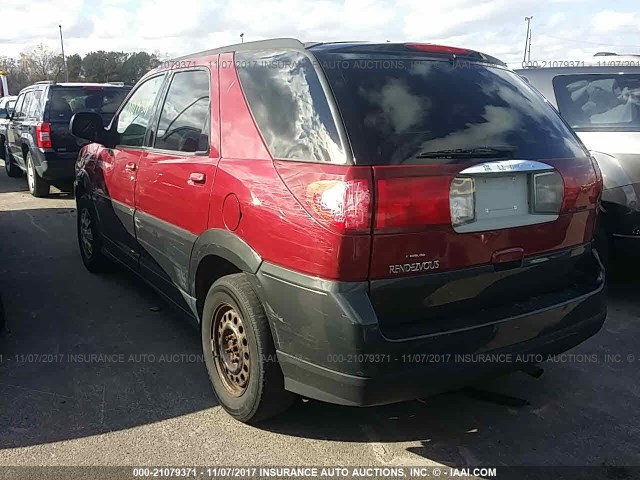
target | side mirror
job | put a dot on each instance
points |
(87, 125)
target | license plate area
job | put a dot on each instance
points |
(504, 198)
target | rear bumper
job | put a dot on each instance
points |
(55, 166)
(330, 346)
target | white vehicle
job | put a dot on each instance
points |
(4, 89)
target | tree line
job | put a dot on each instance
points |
(41, 63)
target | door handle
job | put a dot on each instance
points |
(130, 167)
(197, 178)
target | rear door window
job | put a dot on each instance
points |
(184, 121)
(398, 110)
(289, 106)
(19, 103)
(21, 114)
(599, 101)
(65, 101)
(136, 113)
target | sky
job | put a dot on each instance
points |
(561, 29)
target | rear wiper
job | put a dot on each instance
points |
(478, 152)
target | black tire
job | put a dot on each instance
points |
(10, 166)
(38, 186)
(263, 395)
(3, 151)
(90, 245)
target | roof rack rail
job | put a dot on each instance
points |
(44, 82)
(606, 54)
(258, 45)
(117, 84)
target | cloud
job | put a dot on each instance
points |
(610, 21)
(561, 28)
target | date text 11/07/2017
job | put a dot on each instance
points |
(315, 472)
(579, 63)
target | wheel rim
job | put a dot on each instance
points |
(231, 349)
(86, 235)
(30, 174)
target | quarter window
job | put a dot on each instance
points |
(183, 124)
(290, 106)
(137, 112)
(33, 109)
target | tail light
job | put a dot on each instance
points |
(432, 48)
(462, 201)
(409, 203)
(338, 197)
(582, 184)
(43, 135)
(547, 192)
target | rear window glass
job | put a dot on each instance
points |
(599, 101)
(65, 101)
(290, 106)
(395, 109)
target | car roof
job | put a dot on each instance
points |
(340, 46)
(48, 83)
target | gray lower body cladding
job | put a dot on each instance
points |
(332, 345)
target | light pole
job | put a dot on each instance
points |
(64, 60)
(527, 40)
(242, 38)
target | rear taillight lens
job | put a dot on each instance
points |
(339, 197)
(462, 201)
(582, 184)
(547, 190)
(343, 204)
(409, 203)
(43, 135)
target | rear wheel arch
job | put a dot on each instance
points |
(25, 150)
(218, 253)
(81, 184)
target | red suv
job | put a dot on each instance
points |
(355, 223)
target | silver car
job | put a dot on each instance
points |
(599, 98)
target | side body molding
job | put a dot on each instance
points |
(224, 244)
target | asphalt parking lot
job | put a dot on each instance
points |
(98, 370)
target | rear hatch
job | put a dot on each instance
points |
(484, 200)
(64, 101)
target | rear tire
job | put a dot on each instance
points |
(89, 238)
(38, 186)
(239, 352)
(10, 166)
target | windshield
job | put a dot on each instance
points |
(599, 101)
(65, 101)
(396, 110)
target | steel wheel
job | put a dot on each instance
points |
(86, 234)
(31, 175)
(230, 350)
